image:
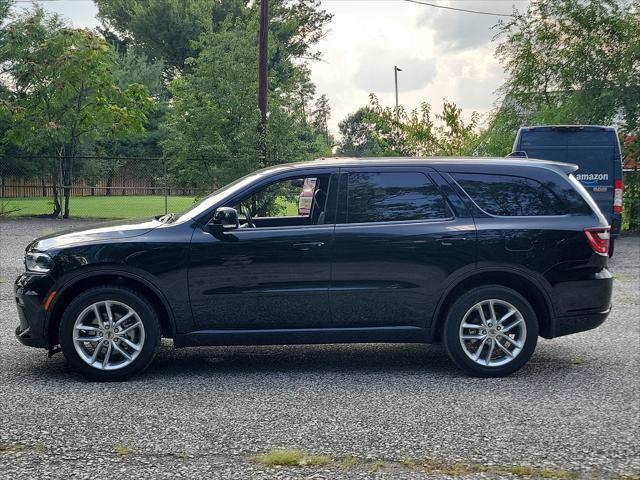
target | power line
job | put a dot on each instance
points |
(457, 9)
(418, 2)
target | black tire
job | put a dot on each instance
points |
(611, 247)
(463, 304)
(133, 299)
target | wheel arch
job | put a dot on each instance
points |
(528, 287)
(106, 276)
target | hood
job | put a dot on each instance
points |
(95, 233)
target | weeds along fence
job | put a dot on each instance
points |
(94, 187)
(631, 202)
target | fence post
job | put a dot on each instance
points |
(164, 174)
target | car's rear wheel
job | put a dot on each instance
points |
(109, 333)
(490, 331)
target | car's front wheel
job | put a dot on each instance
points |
(490, 331)
(109, 333)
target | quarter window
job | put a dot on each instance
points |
(388, 197)
(506, 195)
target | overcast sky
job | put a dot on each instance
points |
(443, 53)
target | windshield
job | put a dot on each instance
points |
(210, 200)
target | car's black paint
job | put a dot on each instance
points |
(333, 282)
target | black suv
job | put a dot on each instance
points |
(481, 254)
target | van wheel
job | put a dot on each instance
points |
(490, 331)
(109, 333)
(611, 244)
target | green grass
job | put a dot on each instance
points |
(293, 458)
(122, 450)
(115, 206)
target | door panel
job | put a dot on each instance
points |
(261, 278)
(394, 274)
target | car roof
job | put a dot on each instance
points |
(434, 162)
(603, 128)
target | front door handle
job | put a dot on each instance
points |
(448, 241)
(307, 245)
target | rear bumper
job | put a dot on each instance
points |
(31, 314)
(581, 304)
(576, 323)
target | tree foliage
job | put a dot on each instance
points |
(382, 131)
(574, 61)
(61, 93)
(211, 133)
(171, 29)
(165, 28)
(569, 62)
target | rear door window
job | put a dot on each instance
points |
(393, 196)
(506, 195)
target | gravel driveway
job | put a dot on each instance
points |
(401, 411)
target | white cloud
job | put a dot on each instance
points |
(375, 76)
(455, 30)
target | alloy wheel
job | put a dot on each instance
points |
(492, 333)
(108, 335)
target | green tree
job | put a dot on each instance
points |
(574, 61)
(358, 135)
(133, 66)
(211, 133)
(166, 29)
(170, 29)
(376, 130)
(63, 93)
(569, 62)
(321, 116)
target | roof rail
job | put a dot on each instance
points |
(518, 154)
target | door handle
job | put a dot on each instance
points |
(448, 241)
(307, 245)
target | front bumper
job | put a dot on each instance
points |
(30, 292)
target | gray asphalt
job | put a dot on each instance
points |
(206, 412)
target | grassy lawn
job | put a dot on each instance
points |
(115, 206)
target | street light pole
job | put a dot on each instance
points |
(395, 74)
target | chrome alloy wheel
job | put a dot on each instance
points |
(108, 335)
(492, 333)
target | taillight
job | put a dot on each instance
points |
(618, 188)
(598, 239)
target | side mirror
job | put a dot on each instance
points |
(224, 218)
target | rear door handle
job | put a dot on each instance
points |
(448, 241)
(307, 245)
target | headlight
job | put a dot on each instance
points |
(38, 262)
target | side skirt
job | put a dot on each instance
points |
(297, 336)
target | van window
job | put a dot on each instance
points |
(393, 196)
(506, 195)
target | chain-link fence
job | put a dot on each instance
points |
(90, 186)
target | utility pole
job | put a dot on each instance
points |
(262, 80)
(395, 74)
